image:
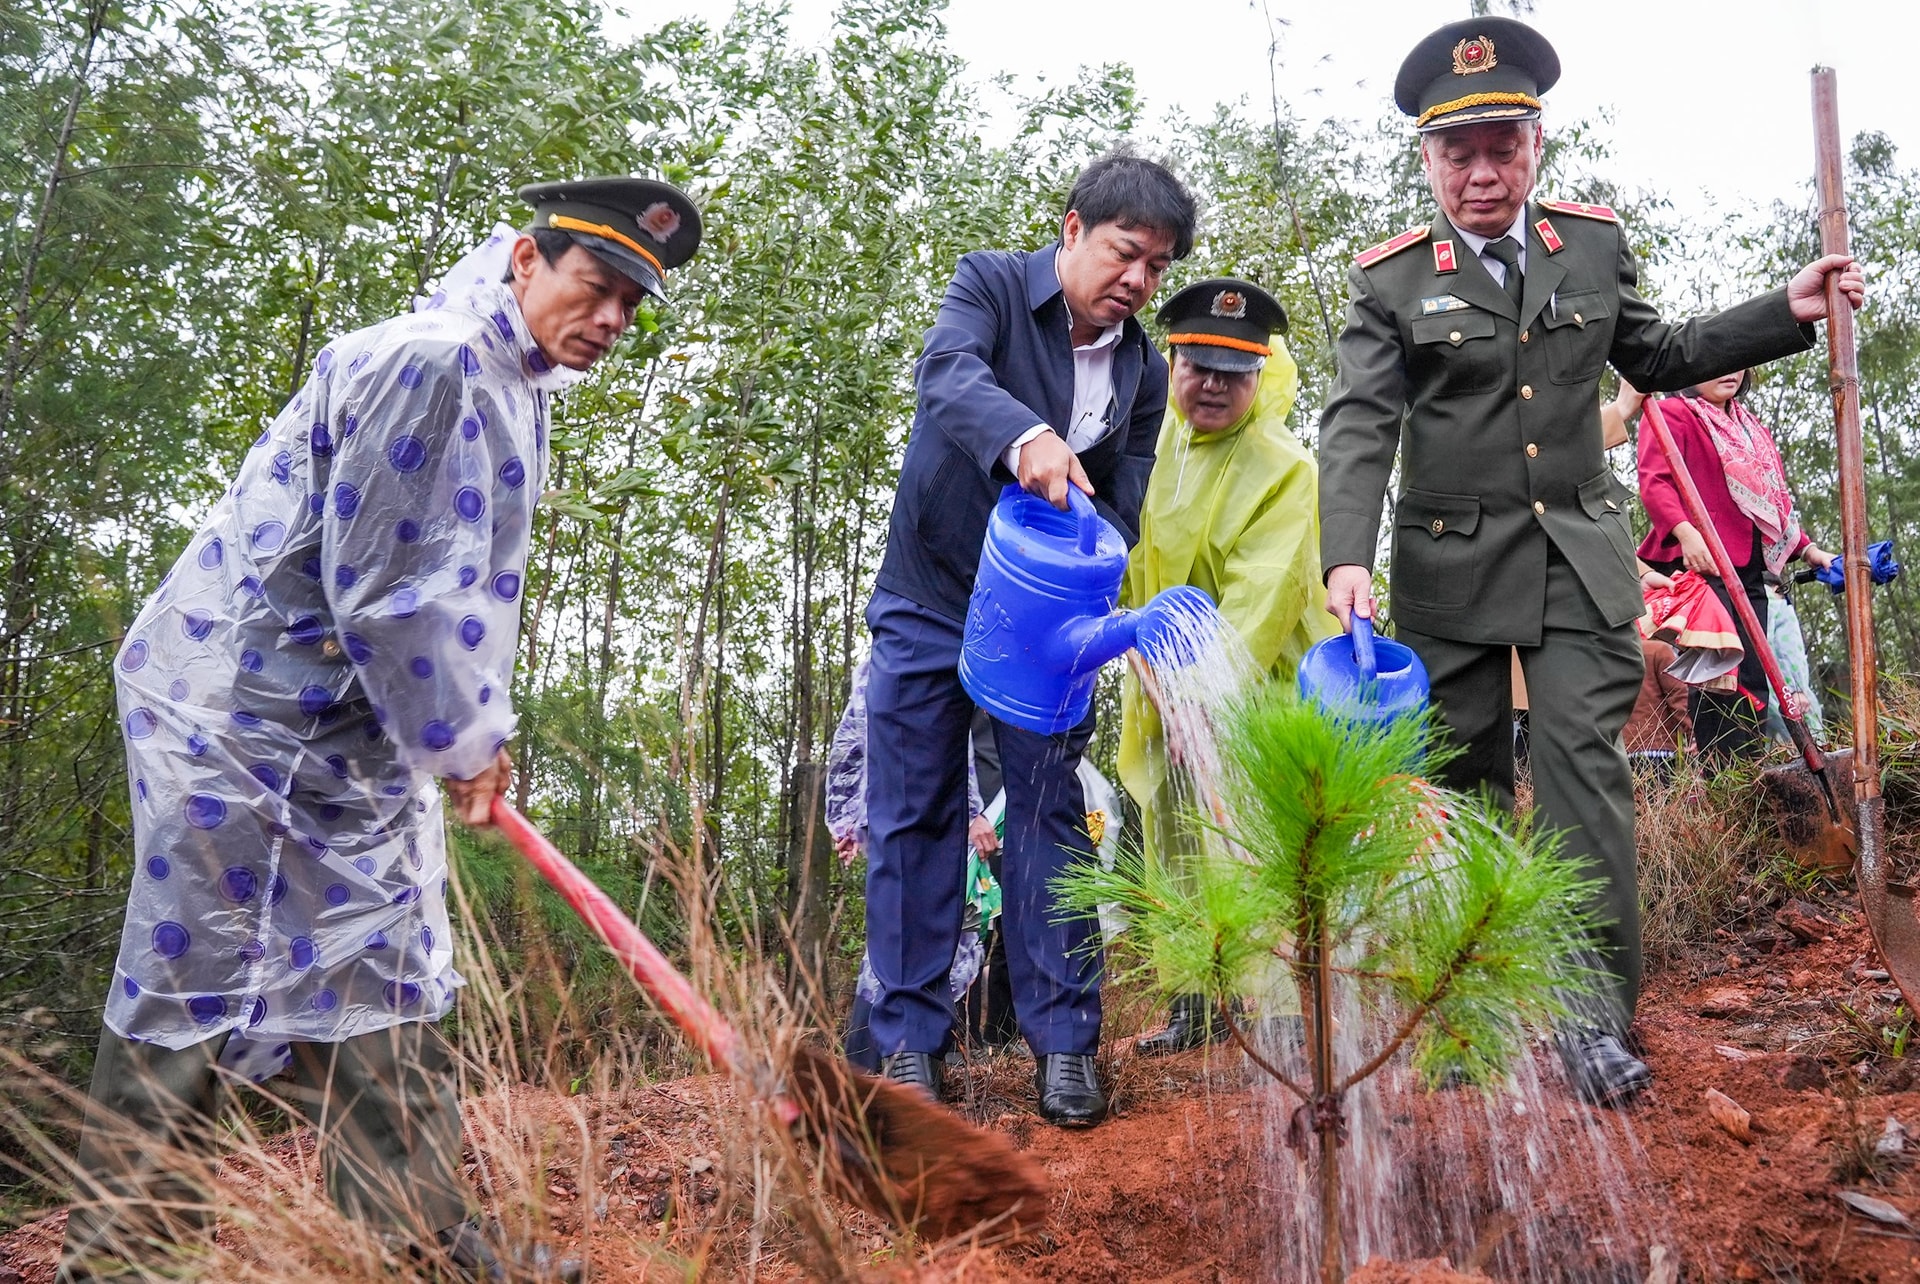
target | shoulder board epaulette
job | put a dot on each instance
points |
(1602, 212)
(1389, 248)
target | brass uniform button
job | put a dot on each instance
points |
(1453, 337)
(1578, 319)
(330, 648)
(1538, 507)
(1525, 335)
(1526, 391)
(1438, 526)
(1533, 451)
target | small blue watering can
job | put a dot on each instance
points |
(1363, 678)
(1042, 619)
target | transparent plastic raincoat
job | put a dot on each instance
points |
(340, 632)
(1233, 513)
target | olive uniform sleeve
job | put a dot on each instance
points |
(1360, 430)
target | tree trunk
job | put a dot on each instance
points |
(809, 859)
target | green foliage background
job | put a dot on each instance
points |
(195, 194)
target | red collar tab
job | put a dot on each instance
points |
(1443, 258)
(1549, 237)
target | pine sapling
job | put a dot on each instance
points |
(1452, 935)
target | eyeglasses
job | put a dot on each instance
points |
(1205, 375)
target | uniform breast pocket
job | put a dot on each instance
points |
(1579, 326)
(1604, 499)
(1433, 548)
(1454, 353)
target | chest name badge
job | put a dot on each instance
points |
(1443, 260)
(1442, 303)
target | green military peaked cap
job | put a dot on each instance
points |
(639, 226)
(1223, 323)
(1479, 69)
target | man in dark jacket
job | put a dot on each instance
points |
(1473, 349)
(1034, 371)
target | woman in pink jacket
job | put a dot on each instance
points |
(1736, 466)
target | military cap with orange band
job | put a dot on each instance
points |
(1223, 323)
(638, 226)
(1475, 70)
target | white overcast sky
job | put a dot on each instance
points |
(1710, 98)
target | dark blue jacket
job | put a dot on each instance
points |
(997, 361)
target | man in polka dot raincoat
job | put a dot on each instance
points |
(338, 636)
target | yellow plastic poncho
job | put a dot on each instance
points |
(1236, 514)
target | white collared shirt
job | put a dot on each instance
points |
(1092, 393)
(1478, 244)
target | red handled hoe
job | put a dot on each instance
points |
(882, 1146)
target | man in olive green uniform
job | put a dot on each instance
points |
(1486, 333)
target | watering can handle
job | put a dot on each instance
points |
(1363, 657)
(1089, 518)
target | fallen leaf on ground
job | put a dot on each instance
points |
(1724, 1003)
(1732, 1053)
(1663, 1266)
(1893, 1139)
(1730, 1115)
(1878, 1209)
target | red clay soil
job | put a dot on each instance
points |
(1787, 1024)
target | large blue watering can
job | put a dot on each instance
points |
(1042, 619)
(1362, 678)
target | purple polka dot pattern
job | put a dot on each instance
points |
(256, 1011)
(130, 987)
(196, 744)
(158, 867)
(437, 735)
(506, 586)
(211, 554)
(252, 661)
(178, 689)
(267, 775)
(337, 765)
(472, 631)
(365, 865)
(325, 363)
(514, 473)
(349, 426)
(252, 587)
(486, 693)
(410, 376)
(281, 470)
(345, 577)
(300, 953)
(316, 503)
(346, 501)
(315, 700)
(321, 441)
(406, 896)
(357, 649)
(277, 889)
(170, 940)
(407, 531)
(537, 361)
(311, 568)
(245, 717)
(338, 895)
(377, 941)
(503, 325)
(207, 1008)
(426, 939)
(407, 454)
(204, 811)
(197, 624)
(469, 361)
(404, 603)
(469, 503)
(469, 427)
(238, 884)
(325, 1001)
(402, 994)
(467, 576)
(421, 667)
(307, 630)
(252, 951)
(269, 536)
(141, 723)
(133, 657)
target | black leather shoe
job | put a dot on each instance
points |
(1601, 1070)
(1069, 1090)
(1192, 1022)
(477, 1250)
(917, 1070)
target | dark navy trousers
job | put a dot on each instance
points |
(917, 718)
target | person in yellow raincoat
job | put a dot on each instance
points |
(1231, 510)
